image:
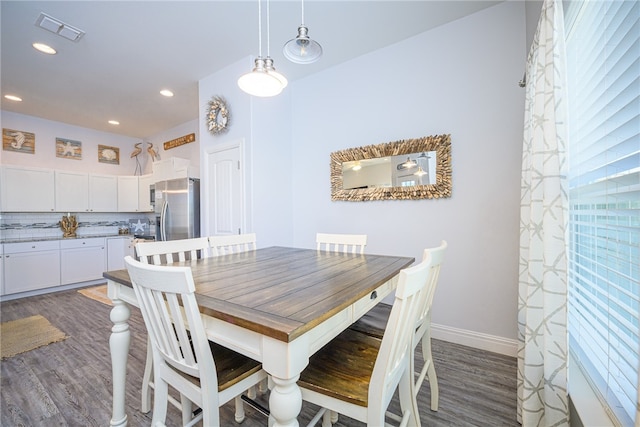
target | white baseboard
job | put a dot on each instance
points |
(473, 339)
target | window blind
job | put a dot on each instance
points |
(603, 67)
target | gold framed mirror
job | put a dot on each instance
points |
(408, 169)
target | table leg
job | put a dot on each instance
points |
(285, 402)
(119, 345)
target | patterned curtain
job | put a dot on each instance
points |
(543, 289)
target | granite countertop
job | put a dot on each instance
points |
(45, 239)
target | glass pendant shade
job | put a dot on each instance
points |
(302, 50)
(260, 82)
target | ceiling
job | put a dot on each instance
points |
(133, 49)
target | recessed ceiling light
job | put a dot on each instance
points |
(114, 122)
(13, 98)
(166, 92)
(44, 48)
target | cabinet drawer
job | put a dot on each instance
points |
(16, 248)
(81, 243)
(367, 303)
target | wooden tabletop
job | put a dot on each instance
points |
(283, 292)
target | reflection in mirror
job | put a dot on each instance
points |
(407, 169)
(393, 171)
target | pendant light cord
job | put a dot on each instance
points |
(268, 20)
(259, 30)
(302, 3)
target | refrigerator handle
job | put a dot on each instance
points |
(163, 220)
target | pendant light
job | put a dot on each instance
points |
(263, 80)
(268, 62)
(302, 50)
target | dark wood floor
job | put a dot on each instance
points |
(69, 383)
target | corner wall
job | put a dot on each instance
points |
(459, 79)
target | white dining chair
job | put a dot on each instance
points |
(357, 375)
(203, 372)
(347, 243)
(231, 244)
(374, 322)
(168, 251)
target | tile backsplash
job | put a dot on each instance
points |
(46, 225)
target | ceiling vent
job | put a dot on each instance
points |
(54, 25)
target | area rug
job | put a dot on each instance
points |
(18, 336)
(98, 293)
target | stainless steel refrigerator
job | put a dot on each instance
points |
(177, 208)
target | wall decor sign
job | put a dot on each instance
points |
(179, 141)
(18, 140)
(68, 149)
(107, 154)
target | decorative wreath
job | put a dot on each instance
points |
(217, 115)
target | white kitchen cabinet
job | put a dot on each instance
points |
(82, 260)
(27, 189)
(103, 193)
(172, 168)
(117, 249)
(144, 197)
(127, 194)
(31, 265)
(72, 191)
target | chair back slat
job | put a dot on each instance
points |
(346, 243)
(170, 311)
(231, 244)
(169, 251)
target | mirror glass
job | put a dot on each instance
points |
(408, 169)
(394, 171)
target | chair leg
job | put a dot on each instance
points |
(326, 419)
(145, 401)
(187, 409)
(431, 370)
(408, 404)
(160, 401)
(263, 386)
(239, 409)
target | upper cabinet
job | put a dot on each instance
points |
(72, 191)
(81, 192)
(128, 194)
(27, 189)
(103, 193)
(144, 195)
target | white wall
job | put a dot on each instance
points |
(459, 79)
(46, 132)
(189, 151)
(262, 125)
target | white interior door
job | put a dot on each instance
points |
(225, 192)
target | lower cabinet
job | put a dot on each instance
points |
(82, 260)
(117, 249)
(31, 265)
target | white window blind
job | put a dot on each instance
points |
(603, 66)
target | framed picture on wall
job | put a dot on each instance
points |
(18, 140)
(107, 154)
(68, 149)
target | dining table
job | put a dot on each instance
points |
(277, 305)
